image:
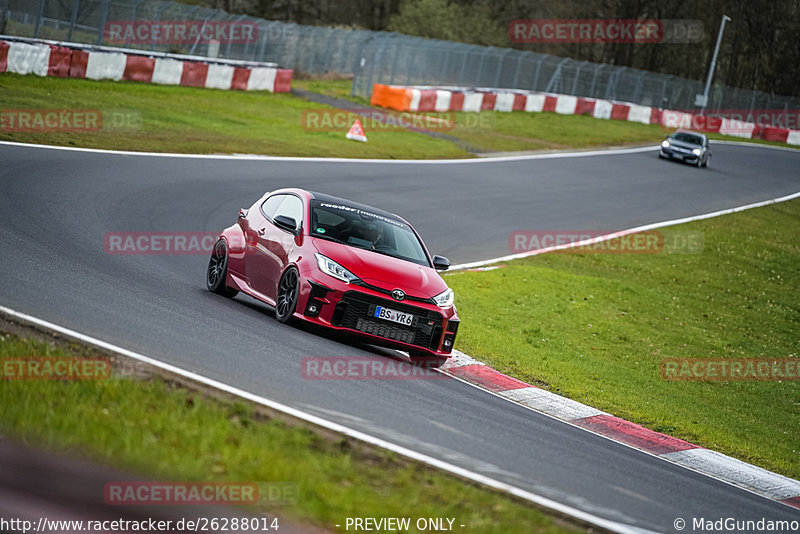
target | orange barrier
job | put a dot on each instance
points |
(386, 96)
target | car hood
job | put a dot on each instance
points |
(384, 271)
(683, 144)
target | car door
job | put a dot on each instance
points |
(274, 244)
(259, 259)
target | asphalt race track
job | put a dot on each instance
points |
(56, 206)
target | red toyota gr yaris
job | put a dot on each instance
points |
(338, 264)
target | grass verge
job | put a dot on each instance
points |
(201, 121)
(165, 431)
(595, 327)
(208, 121)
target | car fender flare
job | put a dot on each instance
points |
(234, 237)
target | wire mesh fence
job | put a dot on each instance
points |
(410, 61)
(370, 57)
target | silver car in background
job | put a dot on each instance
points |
(687, 146)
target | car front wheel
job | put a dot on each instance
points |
(286, 301)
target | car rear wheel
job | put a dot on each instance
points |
(286, 301)
(217, 272)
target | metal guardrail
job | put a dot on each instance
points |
(378, 57)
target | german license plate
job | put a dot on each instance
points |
(395, 316)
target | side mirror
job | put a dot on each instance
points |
(243, 213)
(286, 223)
(440, 263)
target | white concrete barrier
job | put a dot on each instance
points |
(416, 96)
(534, 102)
(443, 99)
(167, 71)
(504, 102)
(26, 58)
(638, 113)
(737, 128)
(219, 76)
(565, 104)
(262, 79)
(105, 66)
(602, 109)
(473, 101)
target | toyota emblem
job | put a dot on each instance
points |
(398, 294)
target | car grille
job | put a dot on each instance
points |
(356, 311)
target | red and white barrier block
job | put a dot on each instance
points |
(717, 465)
(47, 58)
(402, 98)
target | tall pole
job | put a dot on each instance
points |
(711, 68)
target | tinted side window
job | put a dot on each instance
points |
(291, 207)
(271, 204)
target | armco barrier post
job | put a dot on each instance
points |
(73, 19)
(103, 20)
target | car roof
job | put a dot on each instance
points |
(337, 200)
(689, 132)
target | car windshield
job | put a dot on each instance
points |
(688, 138)
(359, 228)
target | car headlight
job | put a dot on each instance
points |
(665, 143)
(330, 267)
(445, 298)
(696, 151)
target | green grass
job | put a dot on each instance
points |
(520, 131)
(594, 327)
(167, 432)
(498, 131)
(206, 121)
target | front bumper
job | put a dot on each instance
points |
(689, 157)
(351, 307)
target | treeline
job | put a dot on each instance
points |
(760, 49)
